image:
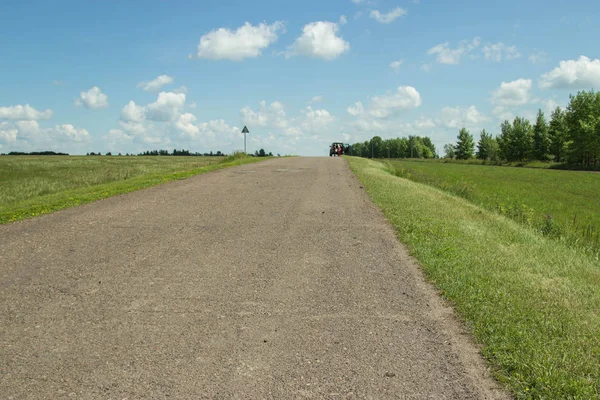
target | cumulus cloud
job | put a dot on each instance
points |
(319, 40)
(447, 55)
(499, 51)
(156, 84)
(405, 98)
(316, 99)
(8, 133)
(512, 94)
(271, 116)
(356, 109)
(247, 41)
(133, 112)
(537, 57)
(70, 133)
(316, 121)
(185, 123)
(28, 135)
(388, 17)
(166, 107)
(458, 117)
(573, 74)
(395, 65)
(93, 99)
(25, 113)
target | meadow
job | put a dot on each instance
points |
(559, 203)
(35, 185)
(530, 301)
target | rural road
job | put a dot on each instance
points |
(275, 280)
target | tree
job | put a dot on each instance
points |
(558, 135)
(465, 145)
(522, 139)
(487, 147)
(582, 121)
(449, 151)
(541, 139)
(261, 153)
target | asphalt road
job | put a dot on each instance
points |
(276, 280)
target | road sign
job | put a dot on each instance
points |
(244, 131)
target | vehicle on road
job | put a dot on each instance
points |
(333, 149)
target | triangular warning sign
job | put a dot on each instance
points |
(245, 130)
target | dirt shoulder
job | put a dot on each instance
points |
(272, 280)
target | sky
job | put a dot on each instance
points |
(128, 76)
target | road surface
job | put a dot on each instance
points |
(276, 280)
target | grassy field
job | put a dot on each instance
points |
(560, 203)
(34, 185)
(532, 302)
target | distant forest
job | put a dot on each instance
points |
(175, 152)
(572, 137)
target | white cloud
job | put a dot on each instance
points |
(28, 135)
(155, 84)
(272, 116)
(70, 133)
(573, 74)
(319, 40)
(457, 117)
(499, 51)
(185, 124)
(405, 98)
(133, 112)
(135, 128)
(426, 67)
(316, 99)
(93, 99)
(395, 65)
(8, 133)
(246, 42)
(424, 124)
(180, 89)
(512, 94)
(58, 83)
(25, 112)
(446, 55)
(116, 139)
(343, 20)
(389, 17)
(316, 121)
(356, 109)
(166, 107)
(537, 56)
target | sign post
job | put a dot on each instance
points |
(244, 131)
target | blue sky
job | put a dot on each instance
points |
(128, 76)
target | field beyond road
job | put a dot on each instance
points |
(35, 185)
(562, 204)
(275, 280)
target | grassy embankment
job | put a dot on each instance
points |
(530, 300)
(562, 204)
(35, 185)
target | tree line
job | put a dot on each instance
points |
(572, 136)
(410, 147)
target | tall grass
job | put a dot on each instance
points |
(561, 204)
(533, 303)
(34, 185)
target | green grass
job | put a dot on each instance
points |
(533, 303)
(35, 185)
(560, 203)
